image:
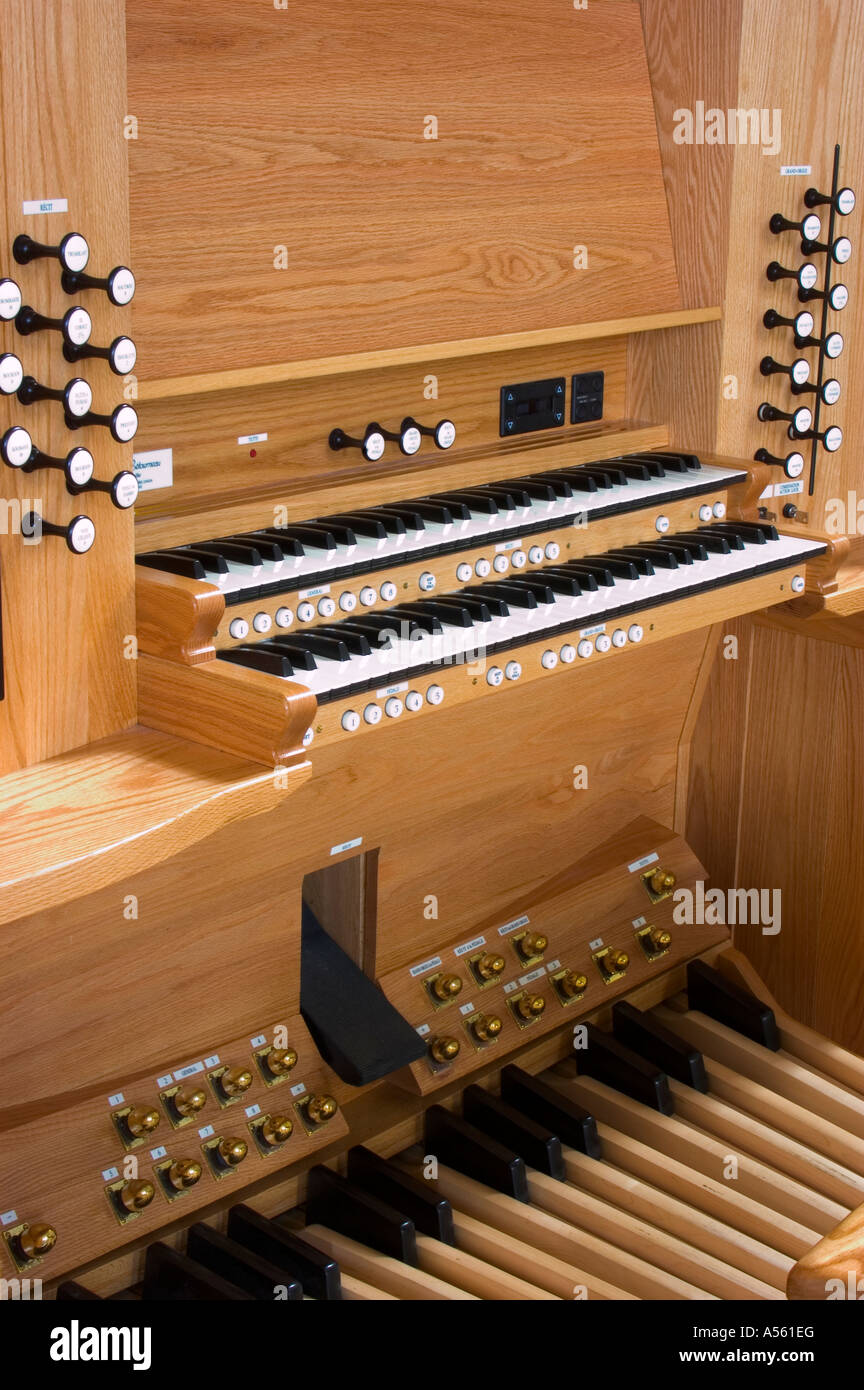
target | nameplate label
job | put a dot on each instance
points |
(642, 863)
(44, 205)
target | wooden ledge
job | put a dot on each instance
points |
(168, 388)
(106, 811)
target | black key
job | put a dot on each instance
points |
(621, 567)
(482, 610)
(615, 1065)
(536, 488)
(758, 531)
(643, 1034)
(687, 551)
(653, 552)
(213, 564)
(446, 614)
(614, 476)
(314, 534)
(393, 524)
(174, 1278)
(562, 485)
(474, 501)
(458, 511)
(317, 1272)
(514, 595)
(372, 624)
(532, 1141)
(331, 648)
(72, 1292)
(635, 468)
(356, 641)
(751, 535)
(287, 545)
(589, 576)
(343, 1206)
(423, 615)
(300, 656)
(586, 478)
(361, 524)
(242, 554)
(172, 562)
(250, 1272)
(649, 461)
(712, 994)
(635, 554)
(432, 1215)
(718, 545)
(404, 512)
(261, 658)
(507, 495)
(716, 530)
(535, 584)
(438, 512)
(690, 461)
(460, 1145)
(532, 1096)
(268, 549)
(561, 581)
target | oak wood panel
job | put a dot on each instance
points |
(65, 617)
(304, 129)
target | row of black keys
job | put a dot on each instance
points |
(359, 635)
(202, 558)
(494, 1141)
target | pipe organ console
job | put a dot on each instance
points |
(429, 767)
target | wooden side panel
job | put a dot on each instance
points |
(299, 137)
(65, 617)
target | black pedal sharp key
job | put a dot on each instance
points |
(317, 1272)
(344, 1206)
(172, 1277)
(417, 1199)
(253, 1273)
(460, 1145)
(712, 994)
(532, 1141)
(643, 1034)
(533, 1096)
(607, 1060)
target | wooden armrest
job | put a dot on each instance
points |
(833, 1269)
(244, 712)
(176, 616)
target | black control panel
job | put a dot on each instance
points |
(586, 397)
(532, 405)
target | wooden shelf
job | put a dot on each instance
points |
(108, 810)
(243, 378)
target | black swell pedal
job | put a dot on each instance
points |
(242, 1267)
(642, 1034)
(318, 1273)
(172, 1277)
(712, 994)
(343, 1206)
(459, 1145)
(615, 1065)
(531, 1140)
(415, 1198)
(538, 1100)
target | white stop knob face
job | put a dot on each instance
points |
(513, 670)
(811, 227)
(126, 492)
(482, 568)
(347, 602)
(602, 642)
(372, 714)
(804, 324)
(411, 440)
(518, 559)
(373, 446)
(634, 633)
(842, 250)
(807, 276)
(619, 637)
(797, 584)
(239, 628)
(794, 466)
(585, 648)
(463, 573)
(426, 581)
(79, 397)
(833, 439)
(368, 596)
(833, 345)
(75, 253)
(393, 708)
(284, 617)
(662, 524)
(494, 676)
(125, 423)
(78, 327)
(501, 564)
(262, 622)
(803, 419)
(124, 355)
(350, 720)
(413, 701)
(388, 591)
(831, 391)
(719, 510)
(326, 608)
(10, 299)
(17, 447)
(435, 694)
(705, 512)
(305, 612)
(549, 660)
(553, 550)
(80, 467)
(800, 371)
(838, 297)
(568, 653)
(845, 201)
(445, 434)
(121, 284)
(11, 373)
(82, 534)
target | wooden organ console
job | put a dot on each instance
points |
(432, 651)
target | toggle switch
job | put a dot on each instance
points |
(444, 1050)
(118, 284)
(123, 489)
(799, 370)
(72, 251)
(792, 464)
(75, 397)
(122, 422)
(75, 325)
(802, 418)
(443, 434)
(121, 355)
(371, 445)
(79, 534)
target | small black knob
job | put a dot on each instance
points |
(802, 323)
(118, 284)
(806, 275)
(809, 226)
(122, 422)
(72, 252)
(840, 250)
(792, 464)
(75, 324)
(121, 355)
(371, 445)
(799, 370)
(843, 200)
(123, 489)
(832, 345)
(407, 437)
(79, 534)
(10, 299)
(76, 396)
(444, 433)
(16, 446)
(802, 418)
(837, 296)
(790, 511)
(11, 373)
(830, 439)
(828, 392)
(77, 465)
